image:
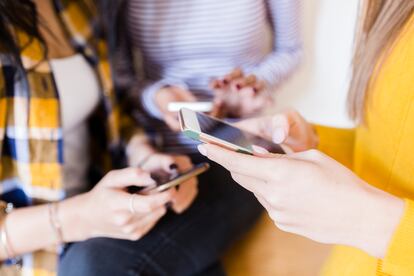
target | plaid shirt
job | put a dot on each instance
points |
(31, 144)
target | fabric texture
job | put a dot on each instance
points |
(381, 153)
(31, 142)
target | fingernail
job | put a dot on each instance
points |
(259, 149)
(173, 167)
(278, 136)
(202, 150)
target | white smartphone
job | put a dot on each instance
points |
(195, 106)
(206, 129)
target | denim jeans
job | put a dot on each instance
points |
(187, 244)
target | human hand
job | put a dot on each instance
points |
(168, 95)
(312, 195)
(108, 210)
(289, 128)
(240, 95)
(187, 191)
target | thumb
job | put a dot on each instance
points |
(127, 177)
(279, 128)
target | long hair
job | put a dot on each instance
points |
(381, 23)
(21, 15)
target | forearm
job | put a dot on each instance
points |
(30, 229)
(381, 215)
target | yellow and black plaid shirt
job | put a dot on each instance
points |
(31, 144)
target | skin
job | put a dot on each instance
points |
(236, 95)
(323, 201)
(168, 95)
(105, 210)
(240, 95)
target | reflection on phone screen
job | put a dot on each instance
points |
(234, 135)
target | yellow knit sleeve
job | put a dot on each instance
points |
(399, 259)
(338, 143)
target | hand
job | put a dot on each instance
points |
(109, 211)
(141, 153)
(240, 95)
(312, 195)
(170, 94)
(188, 190)
(289, 128)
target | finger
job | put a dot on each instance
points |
(215, 84)
(248, 81)
(279, 128)
(257, 167)
(252, 184)
(185, 196)
(236, 73)
(172, 122)
(127, 177)
(217, 110)
(141, 204)
(150, 224)
(183, 162)
(140, 222)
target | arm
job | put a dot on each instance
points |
(106, 211)
(284, 16)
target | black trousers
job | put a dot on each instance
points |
(187, 244)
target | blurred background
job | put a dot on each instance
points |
(322, 80)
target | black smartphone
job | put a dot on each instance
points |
(206, 129)
(167, 181)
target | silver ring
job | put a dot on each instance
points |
(131, 204)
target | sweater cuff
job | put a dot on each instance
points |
(399, 259)
(148, 96)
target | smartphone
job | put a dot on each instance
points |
(195, 106)
(167, 181)
(206, 129)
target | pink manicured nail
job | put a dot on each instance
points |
(202, 150)
(259, 149)
(279, 136)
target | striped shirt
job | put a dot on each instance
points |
(186, 43)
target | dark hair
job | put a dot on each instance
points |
(21, 15)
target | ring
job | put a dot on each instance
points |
(131, 204)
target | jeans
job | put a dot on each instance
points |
(187, 244)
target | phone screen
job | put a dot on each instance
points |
(234, 135)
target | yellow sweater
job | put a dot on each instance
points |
(382, 153)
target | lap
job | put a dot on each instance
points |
(185, 244)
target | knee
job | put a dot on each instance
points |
(91, 257)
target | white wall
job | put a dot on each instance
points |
(318, 90)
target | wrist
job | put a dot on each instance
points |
(379, 222)
(72, 218)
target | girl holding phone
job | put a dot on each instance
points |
(366, 209)
(61, 144)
